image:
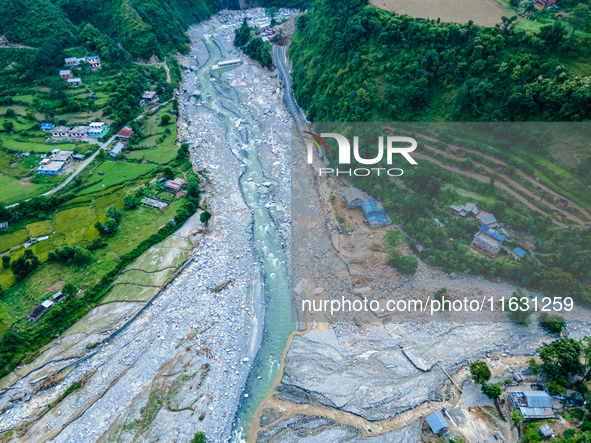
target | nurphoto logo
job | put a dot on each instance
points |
(393, 146)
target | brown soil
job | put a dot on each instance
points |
(54, 287)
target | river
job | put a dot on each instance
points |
(267, 242)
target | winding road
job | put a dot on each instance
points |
(290, 102)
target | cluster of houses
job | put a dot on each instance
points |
(490, 237)
(93, 129)
(533, 405)
(43, 307)
(54, 164)
(373, 210)
(73, 62)
(173, 186)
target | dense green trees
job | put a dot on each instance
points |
(492, 391)
(480, 372)
(143, 27)
(562, 358)
(242, 34)
(24, 264)
(66, 253)
(358, 63)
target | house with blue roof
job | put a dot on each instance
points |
(47, 126)
(516, 253)
(488, 241)
(374, 212)
(437, 423)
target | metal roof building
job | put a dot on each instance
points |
(487, 218)
(354, 197)
(519, 252)
(537, 399)
(116, 149)
(437, 422)
(370, 206)
(492, 233)
(374, 213)
(532, 404)
(546, 430)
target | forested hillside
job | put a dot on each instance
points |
(143, 27)
(354, 62)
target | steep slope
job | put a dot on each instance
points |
(354, 62)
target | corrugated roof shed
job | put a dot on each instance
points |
(437, 422)
(378, 219)
(537, 399)
(546, 430)
(371, 206)
(519, 252)
(536, 413)
(488, 219)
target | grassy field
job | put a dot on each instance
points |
(13, 190)
(115, 173)
(9, 241)
(161, 155)
(40, 228)
(72, 224)
(481, 12)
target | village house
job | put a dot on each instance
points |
(462, 211)
(74, 82)
(51, 168)
(515, 254)
(39, 311)
(374, 212)
(47, 126)
(486, 218)
(71, 61)
(437, 423)
(175, 185)
(97, 129)
(153, 203)
(94, 61)
(488, 241)
(354, 197)
(61, 156)
(150, 97)
(65, 74)
(60, 131)
(79, 132)
(541, 4)
(125, 134)
(116, 149)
